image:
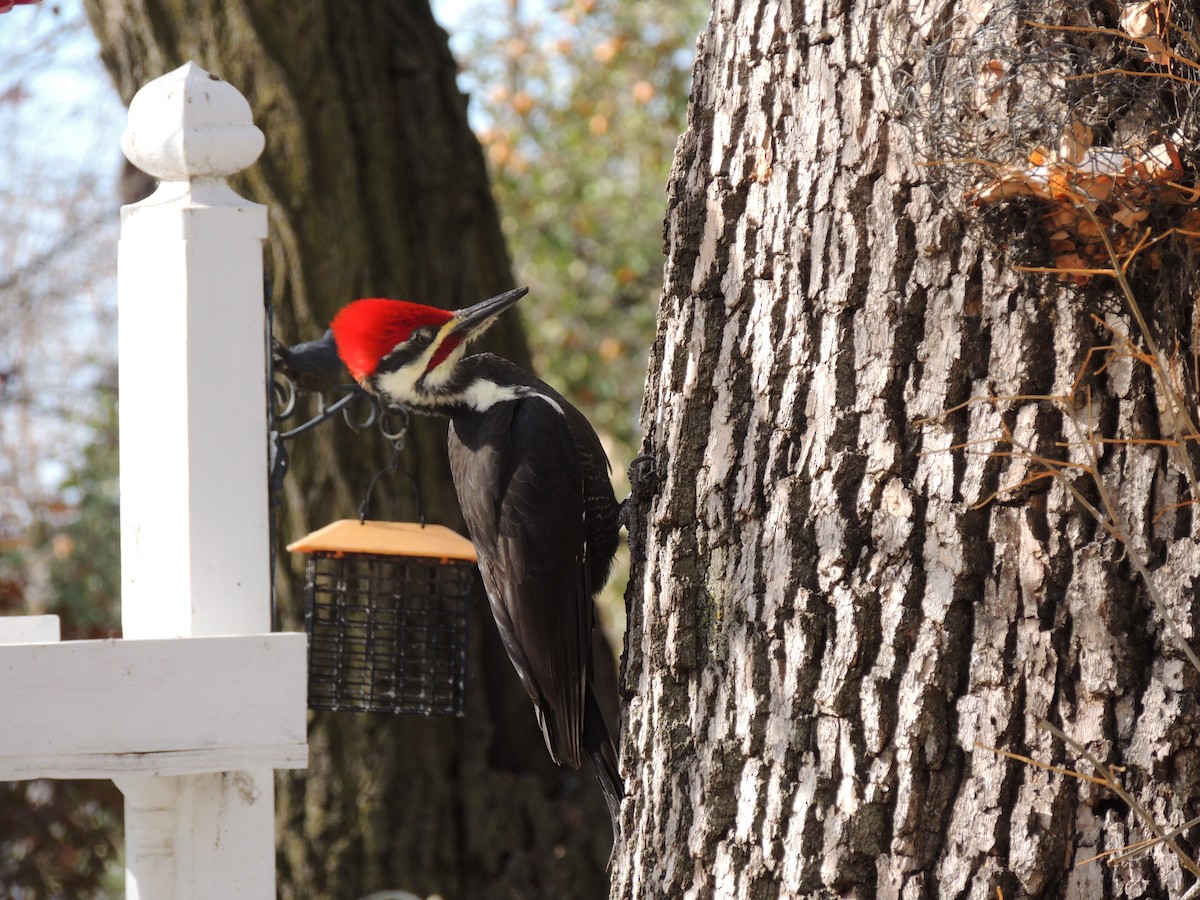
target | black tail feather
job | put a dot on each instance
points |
(603, 758)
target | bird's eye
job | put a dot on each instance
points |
(422, 336)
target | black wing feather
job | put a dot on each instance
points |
(529, 532)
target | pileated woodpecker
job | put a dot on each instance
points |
(532, 480)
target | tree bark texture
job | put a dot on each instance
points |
(377, 187)
(826, 628)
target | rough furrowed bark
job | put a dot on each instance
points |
(826, 627)
(377, 187)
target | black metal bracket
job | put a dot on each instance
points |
(283, 404)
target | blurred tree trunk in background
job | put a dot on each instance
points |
(377, 187)
(828, 620)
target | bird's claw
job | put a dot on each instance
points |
(642, 472)
(638, 469)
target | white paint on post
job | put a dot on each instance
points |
(194, 527)
(151, 813)
(28, 630)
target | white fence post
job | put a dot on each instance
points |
(195, 708)
(192, 368)
(194, 528)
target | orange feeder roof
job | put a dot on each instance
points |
(386, 539)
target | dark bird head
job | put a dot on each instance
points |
(409, 354)
(311, 366)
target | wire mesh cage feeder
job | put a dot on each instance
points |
(386, 616)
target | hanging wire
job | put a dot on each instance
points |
(279, 439)
(392, 423)
(283, 402)
(394, 434)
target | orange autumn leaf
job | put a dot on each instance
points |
(1130, 217)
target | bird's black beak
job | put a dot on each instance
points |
(474, 320)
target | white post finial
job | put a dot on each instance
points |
(194, 517)
(189, 125)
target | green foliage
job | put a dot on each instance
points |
(85, 564)
(59, 840)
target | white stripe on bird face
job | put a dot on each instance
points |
(412, 385)
(400, 386)
(408, 384)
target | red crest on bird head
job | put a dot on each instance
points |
(367, 330)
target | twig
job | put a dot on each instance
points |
(1114, 785)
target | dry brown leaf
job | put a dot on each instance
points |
(1157, 51)
(1088, 230)
(1146, 23)
(1130, 217)
(1070, 261)
(1095, 187)
(1008, 185)
(1073, 261)
(1061, 242)
(1162, 162)
(1061, 185)
(1060, 218)
(1140, 20)
(1074, 142)
(987, 90)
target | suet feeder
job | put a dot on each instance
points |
(386, 615)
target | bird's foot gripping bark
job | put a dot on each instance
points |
(644, 466)
(643, 480)
(643, 472)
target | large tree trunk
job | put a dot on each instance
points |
(825, 627)
(377, 187)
